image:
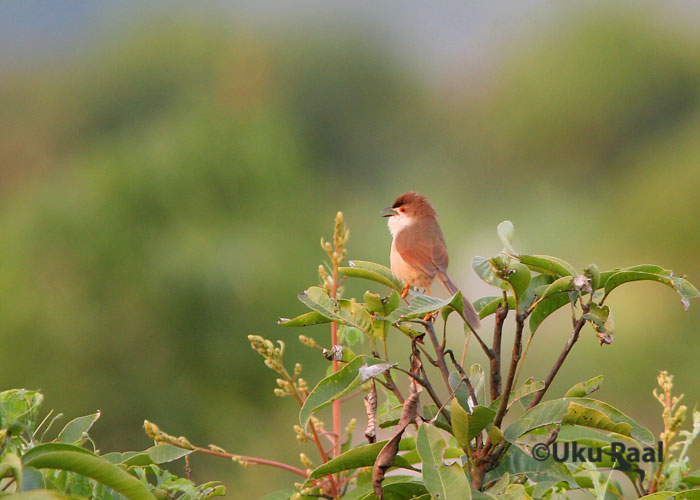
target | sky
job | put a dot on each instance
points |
(431, 37)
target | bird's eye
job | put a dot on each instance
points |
(402, 210)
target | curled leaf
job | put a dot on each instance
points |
(385, 459)
(371, 408)
(505, 233)
(368, 372)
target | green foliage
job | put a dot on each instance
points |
(31, 468)
(464, 447)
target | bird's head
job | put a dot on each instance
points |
(407, 208)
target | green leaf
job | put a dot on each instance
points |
(361, 456)
(373, 272)
(589, 417)
(558, 410)
(76, 430)
(12, 465)
(481, 495)
(346, 312)
(548, 265)
(404, 490)
(307, 319)
(670, 495)
(598, 316)
(527, 299)
(545, 308)
(659, 495)
(518, 277)
(91, 466)
(460, 423)
(374, 303)
(478, 379)
(529, 388)
(684, 288)
(505, 233)
(20, 406)
(335, 386)
(37, 495)
(446, 482)
(589, 436)
(381, 307)
(432, 411)
(485, 270)
(52, 448)
(500, 486)
(456, 304)
(462, 392)
(515, 492)
(480, 418)
(516, 461)
(585, 388)
(421, 305)
(496, 435)
(482, 302)
(164, 453)
(279, 495)
(602, 320)
(364, 489)
(563, 284)
(492, 306)
(32, 479)
(593, 274)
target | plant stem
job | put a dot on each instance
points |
(515, 359)
(425, 383)
(312, 427)
(578, 325)
(334, 341)
(439, 353)
(250, 460)
(495, 361)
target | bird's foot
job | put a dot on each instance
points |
(431, 316)
(405, 290)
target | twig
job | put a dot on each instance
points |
(391, 385)
(439, 354)
(244, 458)
(425, 383)
(517, 349)
(334, 341)
(495, 364)
(578, 325)
(463, 375)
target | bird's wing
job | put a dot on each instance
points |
(419, 253)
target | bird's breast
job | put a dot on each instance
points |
(405, 271)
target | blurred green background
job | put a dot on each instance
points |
(165, 177)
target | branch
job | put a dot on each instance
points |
(462, 374)
(425, 383)
(517, 348)
(501, 314)
(439, 354)
(392, 386)
(578, 325)
(243, 458)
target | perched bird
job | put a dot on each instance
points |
(418, 250)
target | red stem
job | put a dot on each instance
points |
(334, 342)
(252, 460)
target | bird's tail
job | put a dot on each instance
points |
(469, 311)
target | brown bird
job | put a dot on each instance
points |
(418, 250)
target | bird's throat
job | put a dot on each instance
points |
(397, 223)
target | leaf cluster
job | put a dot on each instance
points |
(459, 440)
(33, 466)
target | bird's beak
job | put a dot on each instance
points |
(387, 212)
